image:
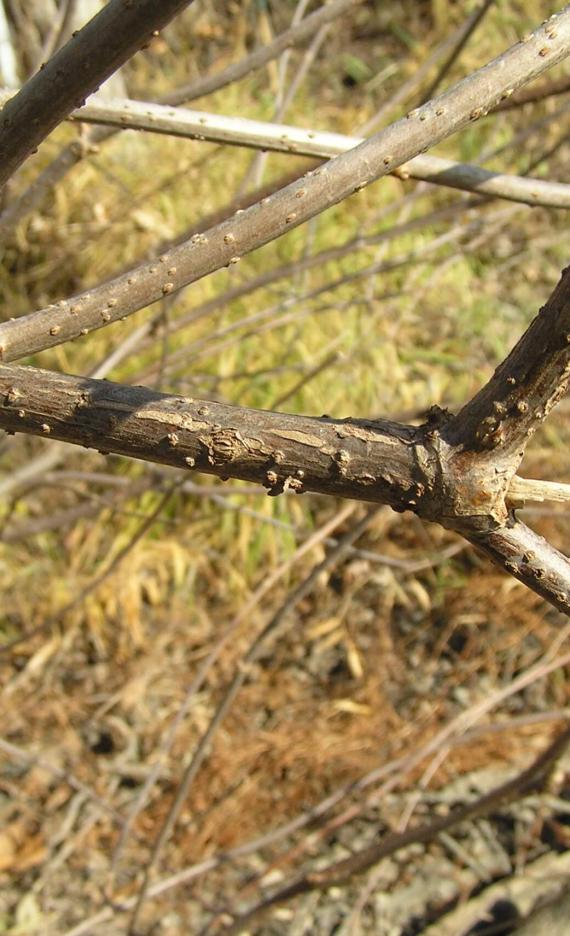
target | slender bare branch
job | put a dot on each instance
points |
(462, 40)
(74, 152)
(291, 206)
(91, 56)
(281, 138)
(259, 57)
(319, 259)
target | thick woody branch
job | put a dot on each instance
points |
(296, 203)
(359, 459)
(91, 56)
(279, 138)
(525, 387)
(406, 467)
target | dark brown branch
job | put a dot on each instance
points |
(532, 560)
(298, 202)
(91, 56)
(533, 778)
(525, 387)
(406, 467)
(365, 460)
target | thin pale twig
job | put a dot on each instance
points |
(282, 138)
(272, 630)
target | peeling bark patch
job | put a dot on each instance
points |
(302, 438)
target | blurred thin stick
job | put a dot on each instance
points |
(284, 100)
(58, 33)
(33, 760)
(260, 592)
(60, 519)
(272, 276)
(259, 57)
(462, 39)
(206, 346)
(531, 778)
(447, 735)
(407, 88)
(112, 567)
(271, 631)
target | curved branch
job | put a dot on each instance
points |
(296, 203)
(91, 56)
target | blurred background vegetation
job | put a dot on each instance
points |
(119, 578)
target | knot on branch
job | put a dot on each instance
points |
(465, 489)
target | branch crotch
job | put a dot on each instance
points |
(464, 490)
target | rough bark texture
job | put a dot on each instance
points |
(456, 470)
(407, 467)
(521, 552)
(350, 458)
(525, 387)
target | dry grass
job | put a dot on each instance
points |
(382, 653)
